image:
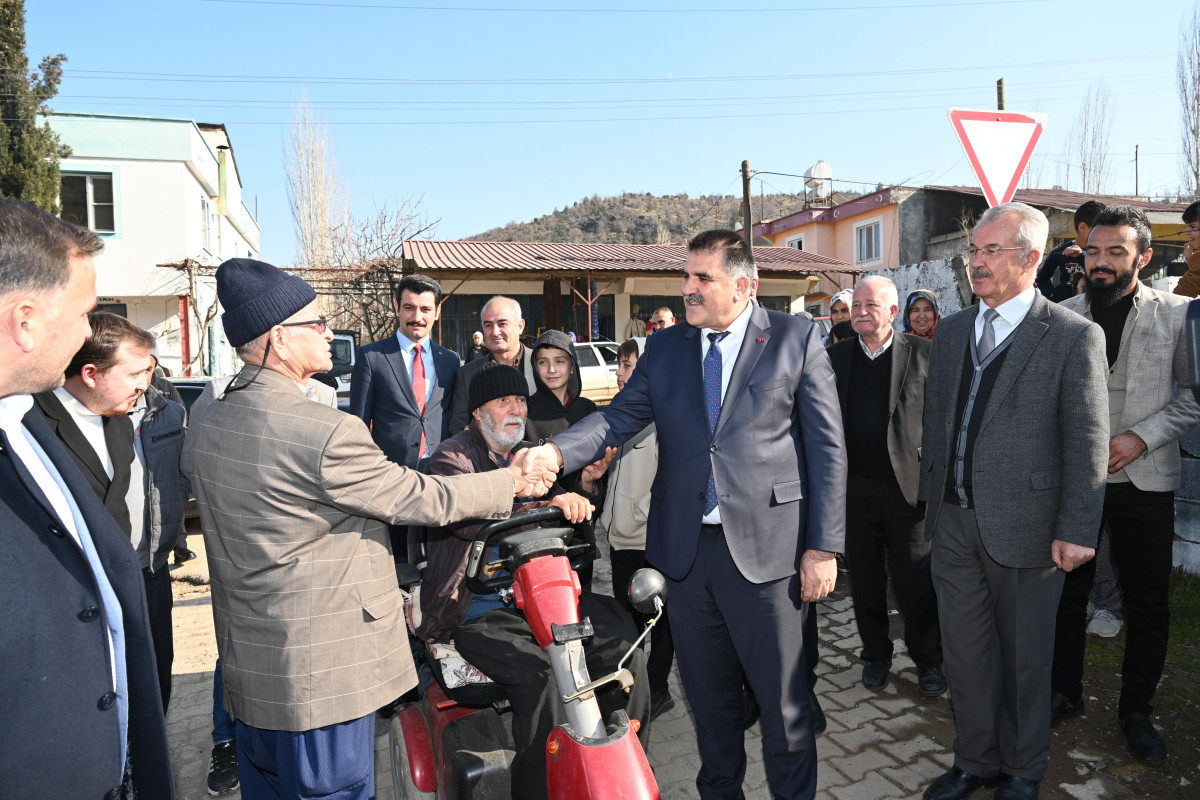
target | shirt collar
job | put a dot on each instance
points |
(1014, 310)
(408, 344)
(737, 328)
(13, 409)
(72, 404)
(882, 348)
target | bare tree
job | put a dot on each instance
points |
(1087, 145)
(320, 209)
(366, 264)
(1188, 73)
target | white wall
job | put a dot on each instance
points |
(936, 276)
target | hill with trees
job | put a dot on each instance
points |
(635, 218)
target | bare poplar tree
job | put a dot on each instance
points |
(1188, 73)
(1087, 145)
(320, 210)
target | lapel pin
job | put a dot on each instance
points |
(761, 340)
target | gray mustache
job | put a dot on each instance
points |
(693, 298)
(980, 273)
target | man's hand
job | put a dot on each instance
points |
(531, 484)
(543, 457)
(1072, 251)
(1069, 556)
(593, 472)
(818, 574)
(574, 507)
(1123, 449)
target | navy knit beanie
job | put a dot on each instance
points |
(256, 297)
(493, 381)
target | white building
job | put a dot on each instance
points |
(159, 191)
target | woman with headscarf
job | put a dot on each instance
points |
(839, 311)
(921, 313)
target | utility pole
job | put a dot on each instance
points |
(1135, 171)
(747, 223)
(1000, 95)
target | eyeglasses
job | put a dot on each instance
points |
(991, 250)
(319, 325)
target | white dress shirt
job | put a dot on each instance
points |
(1011, 313)
(90, 423)
(730, 347)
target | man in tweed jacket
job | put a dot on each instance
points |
(1143, 330)
(1013, 459)
(294, 498)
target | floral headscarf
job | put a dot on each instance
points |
(921, 294)
(845, 296)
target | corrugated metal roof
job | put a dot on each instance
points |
(432, 255)
(1067, 201)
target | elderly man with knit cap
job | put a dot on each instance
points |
(294, 501)
(487, 630)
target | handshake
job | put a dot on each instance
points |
(535, 469)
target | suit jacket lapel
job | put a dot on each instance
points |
(64, 427)
(693, 375)
(27, 480)
(1143, 324)
(443, 367)
(901, 353)
(958, 346)
(843, 363)
(757, 337)
(395, 360)
(1024, 341)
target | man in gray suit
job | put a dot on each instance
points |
(747, 508)
(1147, 350)
(502, 329)
(293, 497)
(1013, 457)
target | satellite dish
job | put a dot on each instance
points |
(817, 178)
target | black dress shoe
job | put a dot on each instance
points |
(1144, 741)
(1014, 788)
(875, 674)
(660, 703)
(956, 784)
(931, 681)
(818, 716)
(1063, 707)
(184, 555)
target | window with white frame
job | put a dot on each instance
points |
(205, 224)
(87, 201)
(795, 242)
(868, 241)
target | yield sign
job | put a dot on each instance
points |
(998, 144)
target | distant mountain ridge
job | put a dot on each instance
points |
(634, 218)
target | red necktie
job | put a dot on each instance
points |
(418, 382)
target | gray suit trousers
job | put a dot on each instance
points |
(998, 643)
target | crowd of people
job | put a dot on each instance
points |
(976, 461)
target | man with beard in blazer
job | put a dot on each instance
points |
(1013, 460)
(747, 508)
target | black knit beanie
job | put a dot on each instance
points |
(496, 380)
(257, 296)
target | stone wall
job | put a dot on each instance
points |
(939, 277)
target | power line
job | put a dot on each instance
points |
(183, 77)
(559, 10)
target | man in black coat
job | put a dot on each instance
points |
(82, 699)
(881, 385)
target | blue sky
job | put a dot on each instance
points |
(490, 111)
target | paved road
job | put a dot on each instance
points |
(888, 744)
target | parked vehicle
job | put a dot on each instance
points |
(190, 388)
(598, 370)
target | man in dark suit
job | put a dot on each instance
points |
(747, 508)
(881, 383)
(126, 439)
(77, 660)
(1014, 454)
(402, 385)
